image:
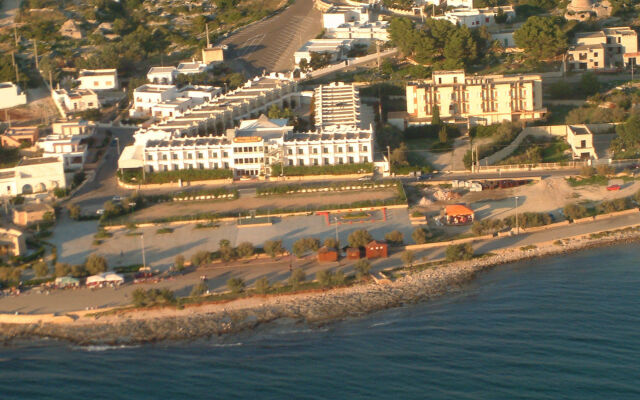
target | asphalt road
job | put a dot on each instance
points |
(269, 44)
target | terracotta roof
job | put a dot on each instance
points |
(457, 209)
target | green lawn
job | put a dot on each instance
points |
(554, 152)
(558, 114)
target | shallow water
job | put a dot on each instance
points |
(552, 328)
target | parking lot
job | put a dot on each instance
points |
(269, 45)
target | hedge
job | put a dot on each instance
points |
(186, 175)
(318, 187)
(340, 169)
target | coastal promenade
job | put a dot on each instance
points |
(278, 270)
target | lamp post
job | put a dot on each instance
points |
(144, 261)
(517, 226)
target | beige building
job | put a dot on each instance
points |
(602, 49)
(213, 54)
(338, 104)
(478, 100)
(98, 79)
(32, 213)
(17, 135)
(12, 242)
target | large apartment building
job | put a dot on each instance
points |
(605, 49)
(336, 104)
(477, 100)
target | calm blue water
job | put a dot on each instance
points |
(545, 329)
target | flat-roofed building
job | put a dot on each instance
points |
(72, 150)
(31, 213)
(12, 242)
(17, 135)
(336, 48)
(162, 75)
(32, 175)
(336, 104)
(75, 100)
(73, 128)
(98, 79)
(477, 17)
(362, 33)
(606, 49)
(213, 54)
(11, 95)
(478, 100)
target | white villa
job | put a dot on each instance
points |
(11, 95)
(32, 175)
(98, 79)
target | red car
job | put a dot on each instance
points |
(613, 187)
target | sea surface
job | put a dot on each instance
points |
(552, 328)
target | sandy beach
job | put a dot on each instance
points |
(315, 308)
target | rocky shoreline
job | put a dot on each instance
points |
(314, 308)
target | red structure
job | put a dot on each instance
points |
(377, 249)
(354, 253)
(327, 254)
(458, 214)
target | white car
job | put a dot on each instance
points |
(100, 211)
(117, 198)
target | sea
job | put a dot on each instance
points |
(553, 328)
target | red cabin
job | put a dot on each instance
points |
(377, 249)
(353, 253)
(327, 254)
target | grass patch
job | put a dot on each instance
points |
(102, 234)
(163, 231)
(355, 215)
(592, 180)
(208, 225)
(133, 234)
(529, 247)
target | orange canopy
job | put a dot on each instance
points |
(457, 209)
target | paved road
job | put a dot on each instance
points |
(269, 44)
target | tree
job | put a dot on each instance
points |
(460, 49)
(435, 116)
(297, 277)
(199, 289)
(325, 278)
(62, 269)
(78, 271)
(575, 211)
(304, 65)
(443, 137)
(179, 263)
(95, 264)
(589, 84)
(262, 285)
(408, 257)
(303, 245)
(245, 250)
(394, 237)
(200, 258)
(236, 285)
(331, 243)
(339, 278)
(359, 238)
(628, 136)
(74, 211)
(457, 252)
(400, 156)
(419, 236)
(273, 248)
(541, 37)
(362, 268)
(41, 269)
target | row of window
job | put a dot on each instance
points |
(325, 161)
(248, 149)
(325, 150)
(250, 160)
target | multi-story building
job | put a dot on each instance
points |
(340, 15)
(11, 95)
(478, 100)
(98, 79)
(165, 101)
(18, 135)
(605, 49)
(336, 104)
(72, 150)
(251, 148)
(335, 48)
(73, 128)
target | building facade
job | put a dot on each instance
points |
(11, 95)
(32, 175)
(76, 100)
(336, 104)
(17, 135)
(605, 49)
(98, 79)
(477, 100)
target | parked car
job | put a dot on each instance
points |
(117, 198)
(613, 187)
(100, 211)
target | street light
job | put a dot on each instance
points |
(517, 226)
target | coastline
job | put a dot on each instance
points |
(315, 308)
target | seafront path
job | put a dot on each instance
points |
(278, 270)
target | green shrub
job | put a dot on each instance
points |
(162, 231)
(457, 252)
(297, 277)
(394, 237)
(152, 297)
(262, 285)
(362, 268)
(236, 285)
(341, 169)
(359, 238)
(199, 289)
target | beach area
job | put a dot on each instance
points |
(315, 308)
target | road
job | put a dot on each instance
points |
(269, 44)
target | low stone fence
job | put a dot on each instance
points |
(600, 217)
(447, 243)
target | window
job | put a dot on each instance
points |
(174, 156)
(350, 149)
(165, 167)
(315, 150)
(455, 79)
(149, 157)
(351, 160)
(365, 148)
(595, 64)
(300, 151)
(325, 161)
(190, 166)
(164, 157)
(189, 156)
(339, 149)
(150, 168)
(325, 150)
(340, 160)
(290, 162)
(174, 167)
(301, 162)
(225, 155)
(315, 161)
(214, 154)
(365, 159)
(290, 151)
(200, 165)
(199, 155)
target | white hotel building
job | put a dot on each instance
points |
(256, 143)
